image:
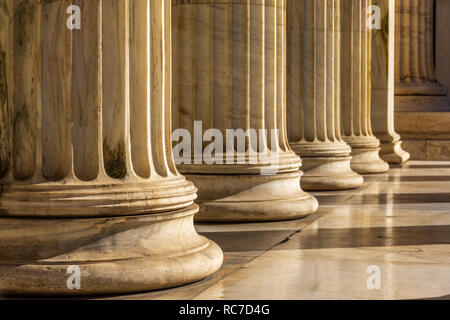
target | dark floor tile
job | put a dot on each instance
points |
(427, 166)
(368, 237)
(400, 198)
(419, 179)
(248, 240)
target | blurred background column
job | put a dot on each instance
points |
(356, 84)
(383, 72)
(314, 95)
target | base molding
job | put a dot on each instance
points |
(115, 255)
(368, 161)
(329, 174)
(393, 153)
(252, 198)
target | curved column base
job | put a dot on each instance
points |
(368, 161)
(393, 153)
(115, 255)
(329, 174)
(252, 198)
(102, 198)
(391, 149)
(366, 155)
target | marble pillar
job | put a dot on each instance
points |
(229, 92)
(313, 88)
(89, 187)
(383, 70)
(356, 88)
(416, 86)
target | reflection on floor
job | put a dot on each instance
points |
(398, 224)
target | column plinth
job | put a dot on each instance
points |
(88, 177)
(383, 69)
(356, 89)
(230, 70)
(314, 42)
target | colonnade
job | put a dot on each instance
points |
(276, 97)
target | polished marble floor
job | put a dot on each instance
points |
(397, 223)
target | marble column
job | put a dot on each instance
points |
(356, 88)
(383, 69)
(416, 86)
(314, 44)
(89, 187)
(229, 87)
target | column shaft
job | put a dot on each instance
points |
(356, 88)
(88, 176)
(229, 93)
(314, 44)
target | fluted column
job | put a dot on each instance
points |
(229, 69)
(356, 102)
(88, 178)
(314, 44)
(416, 86)
(383, 65)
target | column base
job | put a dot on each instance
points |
(392, 151)
(329, 174)
(252, 198)
(104, 197)
(115, 255)
(366, 155)
(368, 161)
